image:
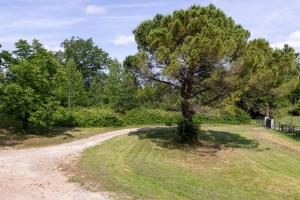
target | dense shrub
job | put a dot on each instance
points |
(227, 115)
(151, 116)
(7, 121)
(241, 115)
(289, 110)
(103, 117)
(87, 117)
(96, 117)
(295, 112)
(64, 117)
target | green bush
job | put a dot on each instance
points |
(87, 117)
(8, 121)
(142, 116)
(103, 117)
(64, 118)
(96, 117)
(241, 115)
(227, 115)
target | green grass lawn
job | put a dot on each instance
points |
(295, 120)
(234, 162)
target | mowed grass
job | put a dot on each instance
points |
(234, 162)
(295, 120)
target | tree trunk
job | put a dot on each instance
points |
(25, 123)
(186, 110)
(69, 101)
(187, 129)
(268, 110)
(186, 94)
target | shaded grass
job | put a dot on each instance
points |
(232, 163)
(12, 135)
(11, 138)
(167, 138)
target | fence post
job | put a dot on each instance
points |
(272, 124)
(293, 129)
(265, 121)
(279, 126)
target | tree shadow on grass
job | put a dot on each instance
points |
(11, 137)
(214, 140)
(228, 139)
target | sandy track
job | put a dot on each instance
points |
(33, 174)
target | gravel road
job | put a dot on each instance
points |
(34, 174)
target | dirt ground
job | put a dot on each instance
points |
(34, 174)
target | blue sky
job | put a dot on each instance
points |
(110, 22)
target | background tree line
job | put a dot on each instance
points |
(197, 61)
(37, 83)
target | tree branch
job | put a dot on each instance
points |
(199, 92)
(162, 81)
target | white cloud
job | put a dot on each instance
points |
(295, 35)
(95, 9)
(124, 40)
(293, 40)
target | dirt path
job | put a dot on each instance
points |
(33, 174)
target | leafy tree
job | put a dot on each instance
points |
(184, 50)
(126, 100)
(29, 91)
(157, 95)
(2, 78)
(6, 59)
(95, 93)
(120, 88)
(267, 76)
(23, 49)
(72, 87)
(294, 96)
(151, 93)
(89, 59)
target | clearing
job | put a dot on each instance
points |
(236, 162)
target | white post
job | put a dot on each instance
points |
(265, 121)
(272, 124)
